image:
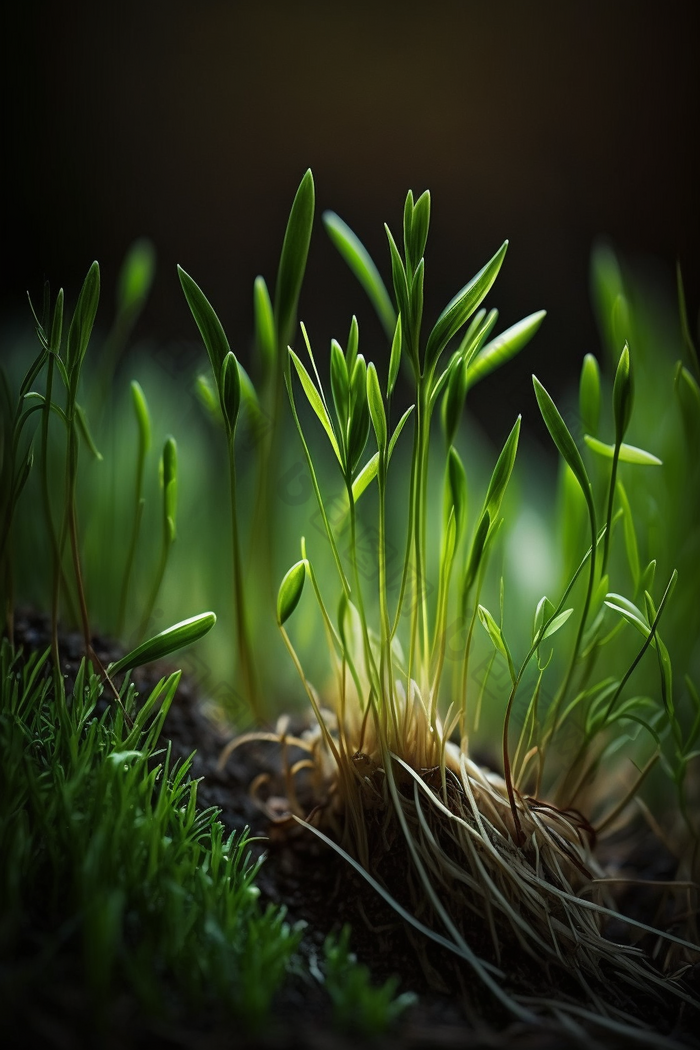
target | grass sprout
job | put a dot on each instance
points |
(513, 854)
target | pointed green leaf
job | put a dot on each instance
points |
(478, 331)
(143, 417)
(230, 391)
(627, 609)
(544, 610)
(496, 635)
(504, 346)
(589, 394)
(365, 477)
(627, 453)
(399, 427)
(462, 306)
(376, 407)
(502, 471)
(265, 337)
(395, 358)
(562, 438)
(416, 300)
(358, 259)
(359, 413)
(420, 224)
(83, 320)
(295, 250)
(353, 344)
(57, 324)
(340, 386)
(209, 325)
(401, 291)
(556, 623)
(476, 554)
(314, 399)
(622, 395)
(407, 222)
(290, 591)
(169, 641)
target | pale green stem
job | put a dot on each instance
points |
(242, 635)
(138, 514)
(608, 517)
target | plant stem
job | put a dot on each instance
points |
(46, 496)
(138, 514)
(608, 517)
(242, 635)
(72, 464)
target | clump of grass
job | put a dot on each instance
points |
(513, 852)
(106, 850)
(148, 896)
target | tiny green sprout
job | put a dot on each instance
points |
(589, 395)
(209, 325)
(143, 421)
(376, 407)
(292, 265)
(394, 358)
(168, 477)
(169, 470)
(290, 591)
(265, 337)
(622, 395)
(82, 323)
(462, 306)
(187, 632)
(358, 259)
(505, 346)
(230, 391)
(562, 437)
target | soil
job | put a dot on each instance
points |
(321, 891)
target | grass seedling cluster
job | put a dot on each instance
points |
(501, 870)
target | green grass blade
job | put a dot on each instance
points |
(207, 322)
(504, 346)
(169, 641)
(316, 402)
(295, 250)
(627, 453)
(83, 320)
(360, 262)
(589, 394)
(462, 306)
(562, 438)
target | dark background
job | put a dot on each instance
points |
(192, 123)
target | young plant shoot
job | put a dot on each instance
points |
(513, 852)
